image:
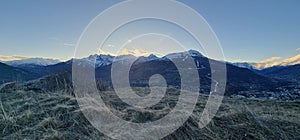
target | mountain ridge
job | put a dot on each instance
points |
(33, 61)
(14, 74)
(240, 81)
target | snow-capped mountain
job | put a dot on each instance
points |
(143, 59)
(99, 60)
(192, 53)
(33, 61)
(105, 60)
(250, 66)
(240, 80)
(195, 53)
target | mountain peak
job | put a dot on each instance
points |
(194, 53)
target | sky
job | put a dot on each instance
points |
(250, 31)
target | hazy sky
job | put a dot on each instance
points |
(248, 30)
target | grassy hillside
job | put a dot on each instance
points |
(12, 74)
(31, 115)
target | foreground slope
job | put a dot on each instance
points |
(31, 115)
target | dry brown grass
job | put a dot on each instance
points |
(30, 115)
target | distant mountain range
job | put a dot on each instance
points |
(250, 66)
(242, 79)
(32, 61)
(291, 73)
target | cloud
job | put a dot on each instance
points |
(291, 61)
(270, 60)
(61, 42)
(274, 61)
(135, 52)
(9, 58)
(106, 53)
(267, 63)
(125, 51)
(110, 45)
(69, 44)
(298, 50)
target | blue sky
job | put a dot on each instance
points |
(248, 30)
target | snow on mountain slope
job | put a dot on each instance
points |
(100, 60)
(104, 60)
(192, 53)
(33, 61)
(245, 65)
